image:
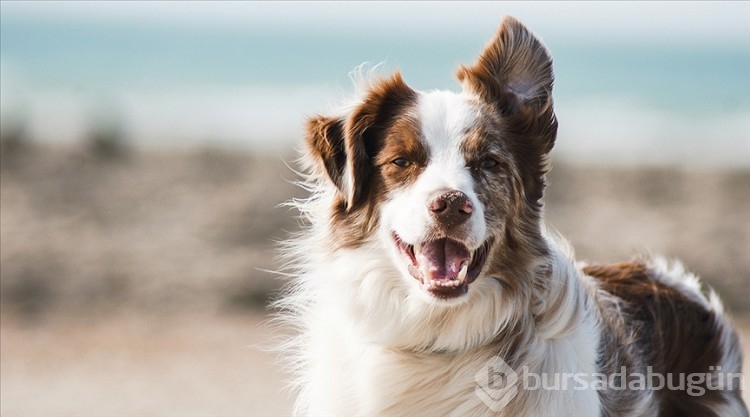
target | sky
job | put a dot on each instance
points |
(607, 20)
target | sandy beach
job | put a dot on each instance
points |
(135, 284)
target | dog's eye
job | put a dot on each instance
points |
(488, 163)
(401, 162)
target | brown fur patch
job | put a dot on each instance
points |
(366, 130)
(674, 333)
(352, 146)
(404, 142)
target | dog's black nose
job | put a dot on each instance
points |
(451, 208)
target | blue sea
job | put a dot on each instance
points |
(627, 101)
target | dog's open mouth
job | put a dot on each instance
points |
(444, 266)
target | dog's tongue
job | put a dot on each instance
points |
(442, 259)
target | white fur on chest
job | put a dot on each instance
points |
(355, 378)
(354, 373)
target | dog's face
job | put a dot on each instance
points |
(449, 183)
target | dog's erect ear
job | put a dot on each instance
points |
(344, 148)
(514, 75)
(513, 72)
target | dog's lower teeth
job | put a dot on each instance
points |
(440, 283)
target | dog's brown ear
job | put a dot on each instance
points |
(325, 143)
(344, 148)
(514, 73)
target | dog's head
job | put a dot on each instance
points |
(450, 183)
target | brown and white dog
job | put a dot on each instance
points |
(425, 264)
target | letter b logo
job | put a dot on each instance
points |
(496, 384)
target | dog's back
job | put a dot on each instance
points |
(659, 316)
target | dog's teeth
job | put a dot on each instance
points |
(417, 249)
(462, 273)
(441, 283)
(426, 273)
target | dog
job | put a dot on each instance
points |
(425, 284)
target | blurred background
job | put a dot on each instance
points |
(144, 150)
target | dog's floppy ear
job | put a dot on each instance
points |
(344, 148)
(325, 143)
(513, 73)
